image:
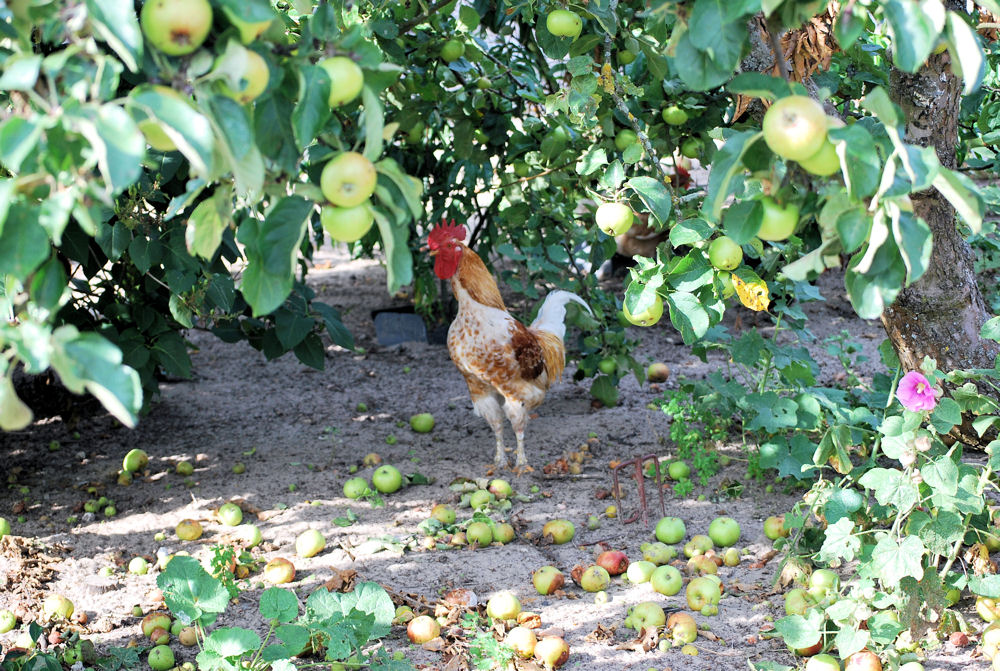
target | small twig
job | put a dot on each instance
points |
(774, 33)
(405, 26)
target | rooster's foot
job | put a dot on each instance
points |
(523, 469)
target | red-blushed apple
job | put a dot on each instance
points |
(698, 545)
(560, 531)
(701, 565)
(646, 614)
(864, 660)
(594, 579)
(822, 662)
(160, 636)
(522, 641)
(683, 628)
(552, 651)
(666, 580)
(547, 580)
(154, 621)
(500, 489)
(422, 628)
(795, 127)
(279, 571)
(724, 531)
(702, 592)
(503, 606)
(798, 601)
(670, 530)
(640, 571)
(615, 562)
(774, 527)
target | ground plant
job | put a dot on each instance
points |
(174, 166)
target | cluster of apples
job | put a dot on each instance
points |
(386, 479)
(480, 530)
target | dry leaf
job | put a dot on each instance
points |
(342, 580)
(600, 635)
(647, 640)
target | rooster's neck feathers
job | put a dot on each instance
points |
(476, 280)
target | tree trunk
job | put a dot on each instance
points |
(939, 315)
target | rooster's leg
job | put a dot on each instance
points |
(518, 416)
(487, 406)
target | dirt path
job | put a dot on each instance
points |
(298, 432)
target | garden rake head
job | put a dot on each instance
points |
(638, 463)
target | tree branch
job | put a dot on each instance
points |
(405, 26)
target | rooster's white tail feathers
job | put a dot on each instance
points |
(552, 315)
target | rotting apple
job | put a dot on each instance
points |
(670, 529)
(731, 557)
(547, 580)
(500, 489)
(387, 479)
(230, 514)
(560, 531)
(422, 628)
(346, 79)
(658, 372)
(795, 127)
(309, 543)
(479, 533)
(188, 636)
(160, 636)
(348, 179)
(774, 527)
(778, 222)
(863, 660)
(160, 658)
(683, 628)
(702, 565)
(702, 592)
(798, 601)
(279, 571)
(988, 609)
(503, 533)
(480, 499)
(698, 545)
(154, 621)
(176, 27)
(522, 641)
(552, 651)
(658, 553)
(666, 580)
(724, 531)
(564, 23)
(188, 530)
(443, 513)
(503, 606)
(614, 218)
(615, 562)
(594, 579)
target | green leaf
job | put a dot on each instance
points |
(231, 642)
(849, 26)
(294, 636)
(689, 231)
(207, 223)
(759, 85)
(727, 162)
(770, 412)
(20, 72)
(411, 187)
(48, 284)
(875, 276)
(373, 118)
(850, 640)
(966, 50)
(990, 329)
(291, 328)
(655, 195)
(688, 315)
(963, 195)
(860, 156)
(469, 17)
(801, 632)
(190, 591)
(839, 542)
(842, 503)
(331, 319)
(946, 415)
(913, 239)
(987, 586)
(592, 161)
(399, 265)
(893, 561)
(237, 144)
(853, 227)
(18, 138)
(184, 124)
(742, 220)
(914, 27)
(271, 249)
(313, 108)
(878, 103)
(115, 22)
(367, 598)
(247, 11)
(171, 353)
(116, 142)
(942, 532)
(892, 487)
(698, 69)
(23, 243)
(604, 390)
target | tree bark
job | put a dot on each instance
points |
(940, 315)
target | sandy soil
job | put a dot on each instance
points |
(298, 432)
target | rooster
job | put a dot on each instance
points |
(508, 366)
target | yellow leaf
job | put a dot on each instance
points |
(753, 295)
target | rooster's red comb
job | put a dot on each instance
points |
(445, 232)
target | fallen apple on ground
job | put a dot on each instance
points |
(138, 566)
(724, 531)
(422, 628)
(279, 571)
(774, 527)
(560, 531)
(309, 543)
(479, 533)
(135, 460)
(230, 514)
(387, 479)
(548, 579)
(355, 488)
(160, 658)
(698, 545)
(670, 530)
(594, 579)
(154, 621)
(644, 615)
(552, 651)
(188, 530)
(658, 553)
(702, 592)
(666, 580)
(640, 571)
(615, 562)
(522, 641)
(56, 605)
(503, 606)
(798, 601)
(443, 514)
(683, 628)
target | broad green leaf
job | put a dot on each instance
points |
(842, 503)
(235, 132)
(373, 119)
(697, 68)
(689, 231)
(189, 590)
(942, 532)
(850, 640)
(23, 243)
(966, 51)
(848, 26)
(853, 227)
(178, 118)
(48, 284)
(399, 260)
(469, 17)
(592, 161)
(655, 195)
(411, 187)
(688, 315)
(801, 632)
(914, 26)
(945, 416)
(281, 232)
(115, 22)
(963, 196)
(207, 223)
(334, 326)
(117, 143)
(913, 239)
(839, 542)
(893, 561)
(857, 151)
(759, 85)
(208, 660)
(368, 598)
(231, 642)
(726, 163)
(291, 328)
(892, 487)
(172, 354)
(877, 284)
(878, 103)
(20, 72)
(770, 412)
(990, 329)
(604, 390)
(18, 138)
(987, 586)
(742, 220)
(247, 11)
(179, 310)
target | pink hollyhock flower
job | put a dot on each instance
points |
(915, 392)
